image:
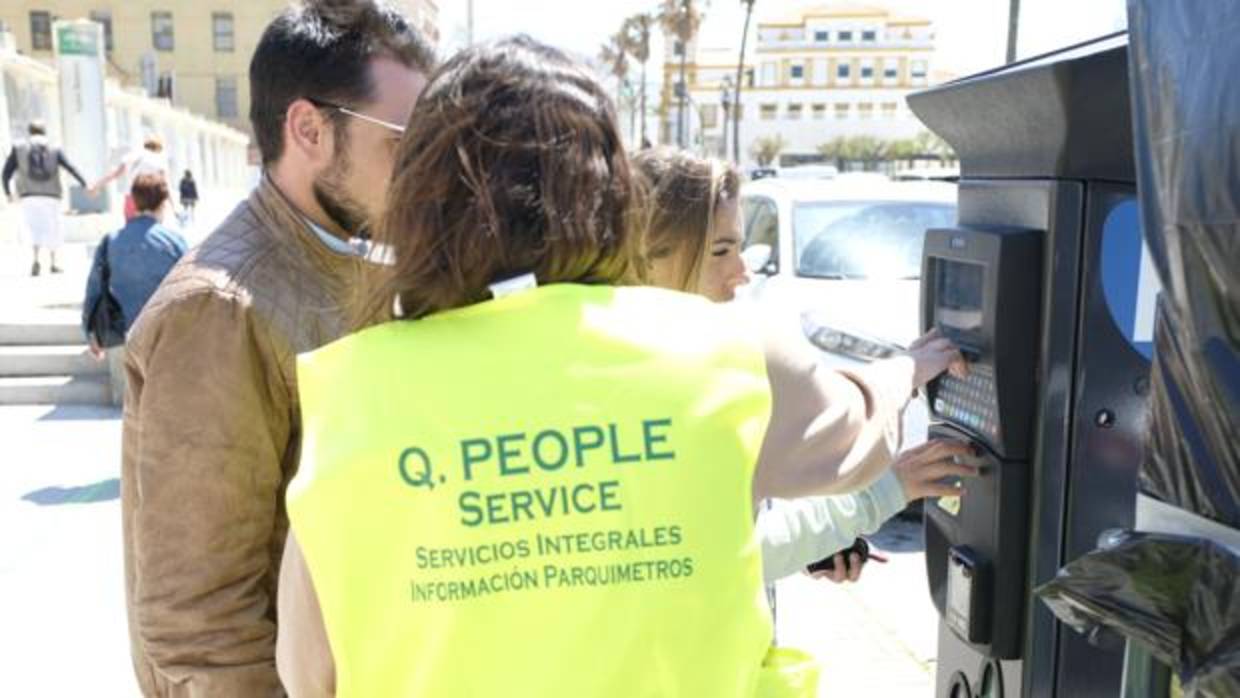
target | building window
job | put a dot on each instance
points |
(710, 116)
(222, 31)
(226, 97)
(161, 31)
(890, 109)
(869, 35)
(918, 70)
(846, 36)
(769, 111)
(822, 37)
(749, 73)
(865, 110)
(820, 111)
(843, 71)
(104, 17)
(842, 111)
(822, 71)
(891, 71)
(794, 111)
(40, 30)
(165, 87)
(769, 74)
(797, 72)
(867, 72)
(678, 48)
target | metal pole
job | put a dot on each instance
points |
(682, 120)
(740, 79)
(645, 38)
(1013, 29)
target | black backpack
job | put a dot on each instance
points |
(40, 163)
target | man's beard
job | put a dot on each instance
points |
(334, 199)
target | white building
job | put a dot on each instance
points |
(817, 74)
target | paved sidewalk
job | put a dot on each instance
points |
(64, 630)
(877, 637)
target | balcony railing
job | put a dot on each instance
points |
(803, 44)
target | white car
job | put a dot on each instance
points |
(841, 260)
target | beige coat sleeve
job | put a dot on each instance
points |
(830, 431)
(206, 427)
(303, 654)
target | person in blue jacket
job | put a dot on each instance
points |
(138, 257)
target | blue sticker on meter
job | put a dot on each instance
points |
(1129, 279)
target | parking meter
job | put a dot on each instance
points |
(1041, 284)
(981, 287)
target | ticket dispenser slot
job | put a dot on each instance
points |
(980, 287)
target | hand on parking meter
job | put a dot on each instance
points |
(922, 470)
(933, 354)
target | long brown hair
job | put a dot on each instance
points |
(685, 192)
(512, 164)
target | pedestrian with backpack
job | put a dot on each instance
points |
(36, 164)
(128, 266)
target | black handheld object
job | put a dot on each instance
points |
(827, 564)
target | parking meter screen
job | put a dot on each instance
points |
(959, 295)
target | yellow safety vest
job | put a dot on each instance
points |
(548, 494)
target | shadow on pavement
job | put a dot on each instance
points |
(92, 413)
(899, 535)
(102, 491)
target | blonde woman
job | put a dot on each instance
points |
(693, 244)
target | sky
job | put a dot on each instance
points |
(971, 34)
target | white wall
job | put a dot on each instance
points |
(805, 134)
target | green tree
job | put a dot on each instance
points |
(835, 150)
(902, 150)
(681, 19)
(636, 33)
(930, 145)
(869, 150)
(767, 148)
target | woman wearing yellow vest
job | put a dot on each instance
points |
(537, 480)
(693, 243)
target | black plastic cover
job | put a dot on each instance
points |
(1179, 597)
(1187, 138)
(1062, 115)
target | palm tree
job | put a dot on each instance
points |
(740, 81)
(681, 19)
(636, 32)
(615, 56)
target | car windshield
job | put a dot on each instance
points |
(864, 239)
